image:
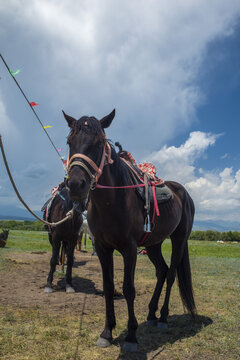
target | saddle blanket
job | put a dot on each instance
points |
(148, 168)
(163, 193)
(47, 206)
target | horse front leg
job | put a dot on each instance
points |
(106, 259)
(130, 257)
(53, 262)
(70, 255)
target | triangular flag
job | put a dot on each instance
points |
(33, 104)
(13, 73)
(59, 150)
(64, 162)
(47, 126)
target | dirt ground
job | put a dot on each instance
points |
(23, 286)
(22, 280)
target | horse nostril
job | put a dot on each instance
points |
(75, 186)
(82, 184)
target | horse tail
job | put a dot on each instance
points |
(185, 282)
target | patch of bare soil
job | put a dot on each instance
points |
(22, 285)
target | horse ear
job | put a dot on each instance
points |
(69, 119)
(106, 120)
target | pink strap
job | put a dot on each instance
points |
(143, 239)
(119, 187)
(155, 199)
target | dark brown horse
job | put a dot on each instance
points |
(3, 238)
(116, 219)
(63, 236)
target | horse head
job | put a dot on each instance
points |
(87, 145)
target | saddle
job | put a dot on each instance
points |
(146, 173)
(46, 209)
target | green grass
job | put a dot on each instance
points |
(36, 333)
(19, 240)
(207, 248)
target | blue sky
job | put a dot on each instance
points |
(171, 70)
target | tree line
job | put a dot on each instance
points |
(22, 225)
(211, 235)
(208, 235)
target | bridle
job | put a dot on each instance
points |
(97, 170)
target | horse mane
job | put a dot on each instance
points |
(122, 171)
(93, 127)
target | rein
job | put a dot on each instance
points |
(106, 159)
(153, 184)
(69, 215)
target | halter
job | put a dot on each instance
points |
(106, 159)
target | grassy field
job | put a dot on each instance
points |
(39, 329)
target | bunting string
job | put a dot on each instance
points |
(32, 104)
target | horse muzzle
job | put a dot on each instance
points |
(78, 189)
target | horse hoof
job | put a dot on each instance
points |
(69, 289)
(48, 290)
(128, 346)
(103, 342)
(162, 325)
(152, 322)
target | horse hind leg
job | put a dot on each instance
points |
(70, 252)
(180, 265)
(155, 255)
(53, 262)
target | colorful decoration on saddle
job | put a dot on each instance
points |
(57, 189)
(148, 168)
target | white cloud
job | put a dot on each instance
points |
(6, 126)
(177, 163)
(142, 58)
(216, 194)
(90, 56)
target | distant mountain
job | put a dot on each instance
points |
(14, 213)
(216, 225)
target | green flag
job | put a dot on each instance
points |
(13, 73)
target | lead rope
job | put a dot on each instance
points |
(69, 215)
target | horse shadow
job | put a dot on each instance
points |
(86, 286)
(80, 285)
(77, 264)
(150, 338)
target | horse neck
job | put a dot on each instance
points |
(110, 177)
